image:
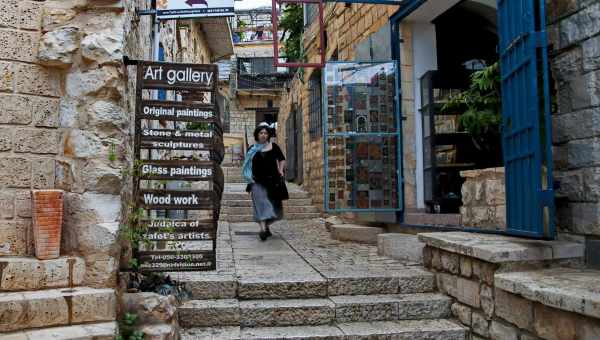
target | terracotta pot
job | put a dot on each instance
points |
(47, 212)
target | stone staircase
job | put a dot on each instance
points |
(46, 300)
(274, 293)
(366, 307)
(236, 205)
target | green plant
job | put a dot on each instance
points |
(112, 152)
(127, 328)
(481, 104)
(292, 22)
(241, 24)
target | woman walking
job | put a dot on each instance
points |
(264, 172)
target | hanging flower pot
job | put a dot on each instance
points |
(47, 212)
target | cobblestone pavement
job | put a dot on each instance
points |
(313, 242)
(298, 251)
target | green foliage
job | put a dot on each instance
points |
(112, 152)
(292, 22)
(127, 328)
(481, 103)
(241, 24)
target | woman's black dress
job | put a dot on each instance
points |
(268, 191)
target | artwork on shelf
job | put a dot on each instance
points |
(373, 116)
(362, 199)
(362, 151)
(373, 100)
(362, 175)
(376, 180)
(374, 151)
(360, 102)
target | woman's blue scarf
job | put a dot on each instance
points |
(247, 168)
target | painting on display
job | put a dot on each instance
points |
(362, 122)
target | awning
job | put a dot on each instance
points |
(218, 35)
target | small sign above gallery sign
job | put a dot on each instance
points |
(188, 9)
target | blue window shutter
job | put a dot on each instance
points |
(162, 94)
(526, 124)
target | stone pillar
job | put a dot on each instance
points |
(68, 127)
(483, 198)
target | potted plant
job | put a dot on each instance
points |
(47, 213)
(482, 115)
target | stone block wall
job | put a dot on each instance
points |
(574, 30)
(493, 313)
(483, 197)
(62, 89)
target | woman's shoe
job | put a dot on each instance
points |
(268, 232)
(263, 235)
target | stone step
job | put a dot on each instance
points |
(310, 312)
(248, 202)
(242, 195)
(281, 288)
(206, 285)
(207, 313)
(96, 331)
(402, 247)
(29, 273)
(294, 209)
(291, 312)
(250, 218)
(405, 329)
(355, 233)
(363, 282)
(360, 308)
(56, 307)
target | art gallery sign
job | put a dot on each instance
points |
(188, 9)
(186, 152)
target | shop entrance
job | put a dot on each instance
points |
(481, 101)
(460, 130)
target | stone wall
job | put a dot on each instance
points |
(69, 117)
(574, 29)
(63, 82)
(483, 197)
(471, 272)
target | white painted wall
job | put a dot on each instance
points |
(425, 59)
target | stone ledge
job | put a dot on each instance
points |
(27, 273)
(100, 331)
(355, 233)
(500, 248)
(572, 290)
(398, 246)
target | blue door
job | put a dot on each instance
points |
(526, 134)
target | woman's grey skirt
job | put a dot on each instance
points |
(264, 208)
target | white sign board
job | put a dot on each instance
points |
(187, 9)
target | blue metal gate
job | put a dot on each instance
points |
(526, 134)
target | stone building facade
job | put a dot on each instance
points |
(68, 104)
(490, 276)
(573, 38)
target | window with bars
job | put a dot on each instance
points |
(315, 123)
